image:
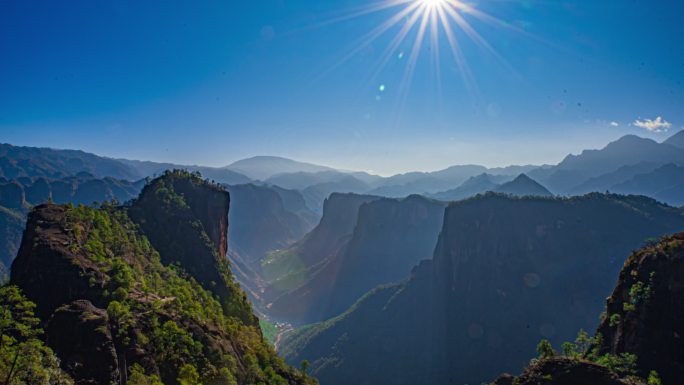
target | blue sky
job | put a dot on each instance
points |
(214, 82)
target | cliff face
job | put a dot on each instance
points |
(645, 312)
(390, 237)
(643, 319)
(186, 220)
(12, 195)
(288, 269)
(11, 227)
(264, 223)
(506, 273)
(111, 299)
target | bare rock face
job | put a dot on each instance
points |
(645, 313)
(89, 354)
(45, 265)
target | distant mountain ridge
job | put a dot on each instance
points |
(629, 150)
(522, 185)
(264, 167)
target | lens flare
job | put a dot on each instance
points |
(431, 23)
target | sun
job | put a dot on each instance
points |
(431, 4)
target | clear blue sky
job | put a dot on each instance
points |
(213, 81)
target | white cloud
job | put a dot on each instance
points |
(657, 125)
(614, 124)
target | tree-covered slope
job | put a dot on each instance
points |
(150, 297)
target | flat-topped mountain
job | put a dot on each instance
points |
(506, 273)
(145, 290)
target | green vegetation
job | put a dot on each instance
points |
(624, 364)
(24, 359)
(614, 320)
(154, 307)
(284, 269)
(269, 330)
(545, 350)
(165, 212)
(654, 378)
(586, 348)
(138, 377)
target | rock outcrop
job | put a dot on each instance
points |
(565, 371)
(110, 299)
(175, 212)
(645, 313)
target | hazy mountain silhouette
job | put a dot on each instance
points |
(575, 170)
(471, 187)
(523, 185)
(33, 162)
(603, 183)
(676, 140)
(264, 167)
(220, 175)
(262, 223)
(390, 237)
(290, 268)
(665, 184)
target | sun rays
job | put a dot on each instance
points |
(420, 24)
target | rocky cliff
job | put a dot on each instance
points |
(639, 339)
(390, 237)
(289, 268)
(645, 312)
(114, 303)
(506, 272)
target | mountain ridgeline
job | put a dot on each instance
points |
(506, 272)
(145, 290)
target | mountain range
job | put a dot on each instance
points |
(590, 171)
